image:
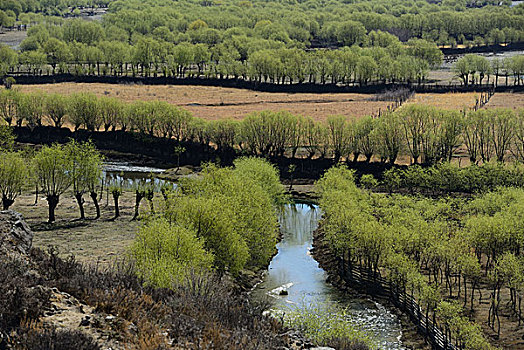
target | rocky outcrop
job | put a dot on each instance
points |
(15, 234)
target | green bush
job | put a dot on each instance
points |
(327, 325)
(166, 253)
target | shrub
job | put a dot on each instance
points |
(327, 326)
(166, 253)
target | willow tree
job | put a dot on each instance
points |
(57, 109)
(84, 110)
(388, 136)
(52, 169)
(338, 135)
(414, 121)
(84, 170)
(13, 177)
(502, 131)
(8, 105)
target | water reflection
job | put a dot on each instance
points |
(295, 270)
(128, 175)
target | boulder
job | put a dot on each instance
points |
(15, 234)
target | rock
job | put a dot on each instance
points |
(15, 234)
(283, 292)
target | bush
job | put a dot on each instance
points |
(166, 253)
(368, 181)
(201, 309)
(327, 326)
(36, 337)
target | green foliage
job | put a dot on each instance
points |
(57, 109)
(232, 211)
(264, 174)
(13, 177)
(166, 254)
(51, 166)
(7, 138)
(419, 243)
(85, 170)
(368, 181)
(84, 111)
(52, 170)
(86, 165)
(325, 326)
(449, 178)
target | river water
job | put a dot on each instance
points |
(294, 269)
(127, 174)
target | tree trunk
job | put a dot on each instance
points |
(94, 197)
(7, 202)
(80, 201)
(139, 196)
(36, 194)
(117, 208)
(52, 201)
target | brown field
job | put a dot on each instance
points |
(506, 100)
(448, 101)
(217, 102)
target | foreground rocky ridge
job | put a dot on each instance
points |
(51, 303)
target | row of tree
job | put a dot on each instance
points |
(448, 178)
(339, 23)
(434, 250)
(19, 9)
(473, 69)
(425, 134)
(387, 60)
(296, 26)
(53, 170)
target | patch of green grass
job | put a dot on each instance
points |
(328, 325)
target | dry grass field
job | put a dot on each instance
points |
(449, 101)
(91, 241)
(506, 100)
(216, 102)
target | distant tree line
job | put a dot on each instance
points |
(311, 23)
(386, 61)
(424, 134)
(27, 12)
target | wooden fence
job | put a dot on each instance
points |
(365, 280)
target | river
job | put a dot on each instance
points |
(294, 269)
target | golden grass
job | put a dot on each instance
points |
(216, 102)
(447, 101)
